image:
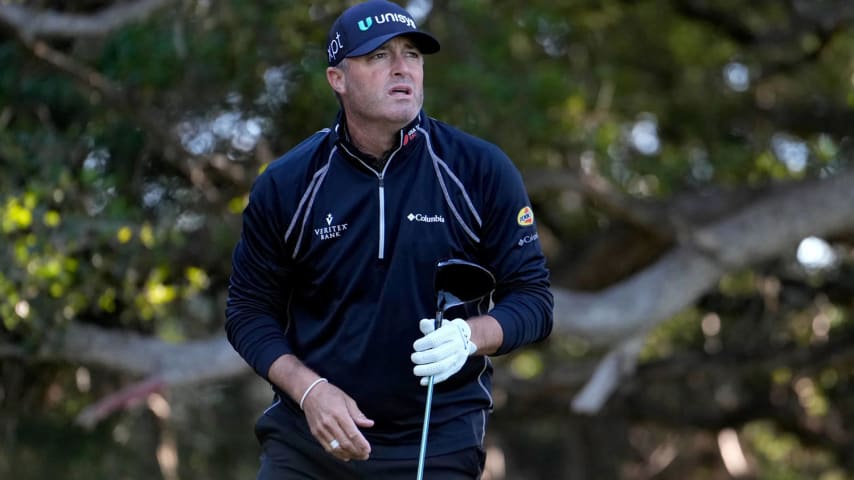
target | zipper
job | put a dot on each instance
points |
(381, 178)
(380, 192)
(381, 251)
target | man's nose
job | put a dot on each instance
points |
(399, 65)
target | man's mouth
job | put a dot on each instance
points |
(400, 90)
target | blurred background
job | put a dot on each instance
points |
(689, 163)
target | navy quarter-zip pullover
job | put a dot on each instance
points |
(336, 261)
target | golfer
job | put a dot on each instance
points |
(331, 297)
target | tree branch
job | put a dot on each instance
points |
(769, 227)
(120, 98)
(829, 14)
(822, 19)
(729, 24)
(618, 364)
(124, 398)
(191, 362)
(666, 221)
(31, 23)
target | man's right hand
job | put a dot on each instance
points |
(335, 419)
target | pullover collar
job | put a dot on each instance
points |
(404, 140)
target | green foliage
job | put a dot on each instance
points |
(681, 332)
(778, 452)
(143, 56)
(107, 217)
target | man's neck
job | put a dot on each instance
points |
(372, 138)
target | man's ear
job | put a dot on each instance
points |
(335, 77)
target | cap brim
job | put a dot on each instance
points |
(424, 42)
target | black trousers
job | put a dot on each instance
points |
(293, 457)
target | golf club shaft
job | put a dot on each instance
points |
(426, 427)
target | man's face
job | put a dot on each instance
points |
(385, 86)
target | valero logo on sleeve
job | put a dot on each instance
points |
(525, 218)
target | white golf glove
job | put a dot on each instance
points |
(441, 353)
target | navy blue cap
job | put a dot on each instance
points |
(363, 28)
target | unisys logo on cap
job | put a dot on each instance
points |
(365, 27)
(368, 22)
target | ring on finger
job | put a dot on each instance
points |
(334, 444)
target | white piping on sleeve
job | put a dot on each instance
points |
(274, 405)
(463, 190)
(486, 363)
(439, 163)
(306, 202)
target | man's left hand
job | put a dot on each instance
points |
(443, 351)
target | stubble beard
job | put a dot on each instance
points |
(376, 108)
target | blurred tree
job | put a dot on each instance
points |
(690, 166)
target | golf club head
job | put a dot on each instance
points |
(459, 281)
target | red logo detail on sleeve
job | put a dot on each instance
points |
(525, 218)
(410, 136)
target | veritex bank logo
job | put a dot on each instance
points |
(330, 231)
